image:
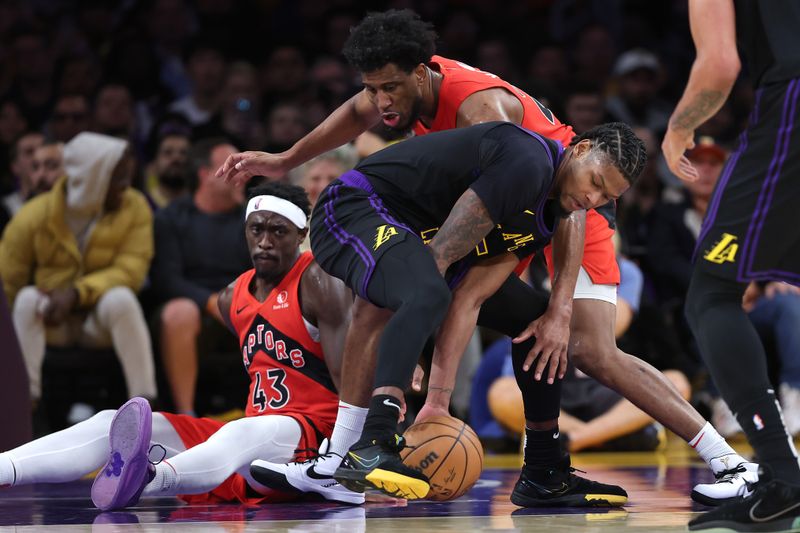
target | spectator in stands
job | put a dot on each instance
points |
(71, 115)
(773, 307)
(285, 126)
(584, 107)
(592, 415)
(200, 249)
(316, 174)
(113, 111)
(638, 75)
(206, 66)
(73, 259)
(167, 176)
(240, 106)
(21, 155)
(33, 66)
(47, 168)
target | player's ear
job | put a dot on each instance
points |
(301, 235)
(582, 148)
(421, 73)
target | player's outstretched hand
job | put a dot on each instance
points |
(675, 144)
(551, 331)
(239, 168)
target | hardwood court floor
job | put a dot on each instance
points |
(658, 486)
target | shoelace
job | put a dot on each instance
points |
(729, 475)
(312, 455)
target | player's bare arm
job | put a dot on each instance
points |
(347, 122)
(326, 303)
(224, 304)
(480, 282)
(467, 223)
(713, 74)
(489, 105)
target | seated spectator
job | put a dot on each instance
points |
(113, 112)
(22, 152)
(167, 177)
(85, 246)
(48, 167)
(200, 249)
(206, 66)
(638, 76)
(316, 174)
(584, 107)
(774, 308)
(592, 415)
(71, 115)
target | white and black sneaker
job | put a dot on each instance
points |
(300, 476)
(735, 480)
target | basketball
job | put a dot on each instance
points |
(447, 451)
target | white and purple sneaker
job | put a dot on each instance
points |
(121, 481)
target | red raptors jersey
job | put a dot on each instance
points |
(460, 81)
(288, 374)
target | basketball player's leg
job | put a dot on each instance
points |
(229, 451)
(407, 282)
(74, 452)
(180, 323)
(736, 359)
(546, 478)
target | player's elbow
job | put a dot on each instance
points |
(721, 67)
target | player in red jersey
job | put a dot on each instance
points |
(424, 92)
(290, 318)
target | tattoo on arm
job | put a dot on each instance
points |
(467, 223)
(443, 389)
(704, 105)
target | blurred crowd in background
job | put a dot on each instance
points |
(131, 292)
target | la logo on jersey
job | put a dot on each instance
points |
(724, 250)
(383, 234)
(283, 301)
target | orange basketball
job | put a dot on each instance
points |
(447, 451)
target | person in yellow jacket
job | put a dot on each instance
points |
(72, 259)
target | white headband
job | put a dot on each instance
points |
(277, 205)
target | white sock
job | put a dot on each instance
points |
(349, 423)
(165, 479)
(709, 444)
(7, 471)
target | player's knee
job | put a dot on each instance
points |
(181, 314)
(431, 298)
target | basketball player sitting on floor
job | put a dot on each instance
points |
(290, 318)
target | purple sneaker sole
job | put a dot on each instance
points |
(121, 480)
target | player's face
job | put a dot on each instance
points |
(588, 179)
(397, 95)
(273, 242)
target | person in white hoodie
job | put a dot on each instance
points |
(73, 259)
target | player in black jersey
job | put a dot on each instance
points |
(750, 232)
(465, 181)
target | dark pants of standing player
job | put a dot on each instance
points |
(736, 359)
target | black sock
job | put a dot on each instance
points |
(760, 418)
(542, 448)
(382, 417)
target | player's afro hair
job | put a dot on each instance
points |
(617, 140)
(394, 36)
(292, 193)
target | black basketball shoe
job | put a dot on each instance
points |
(773, 506)
(376, 463)
(557, 486)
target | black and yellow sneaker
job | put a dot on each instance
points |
(557, 486)
(773, 506)
(376, 463)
